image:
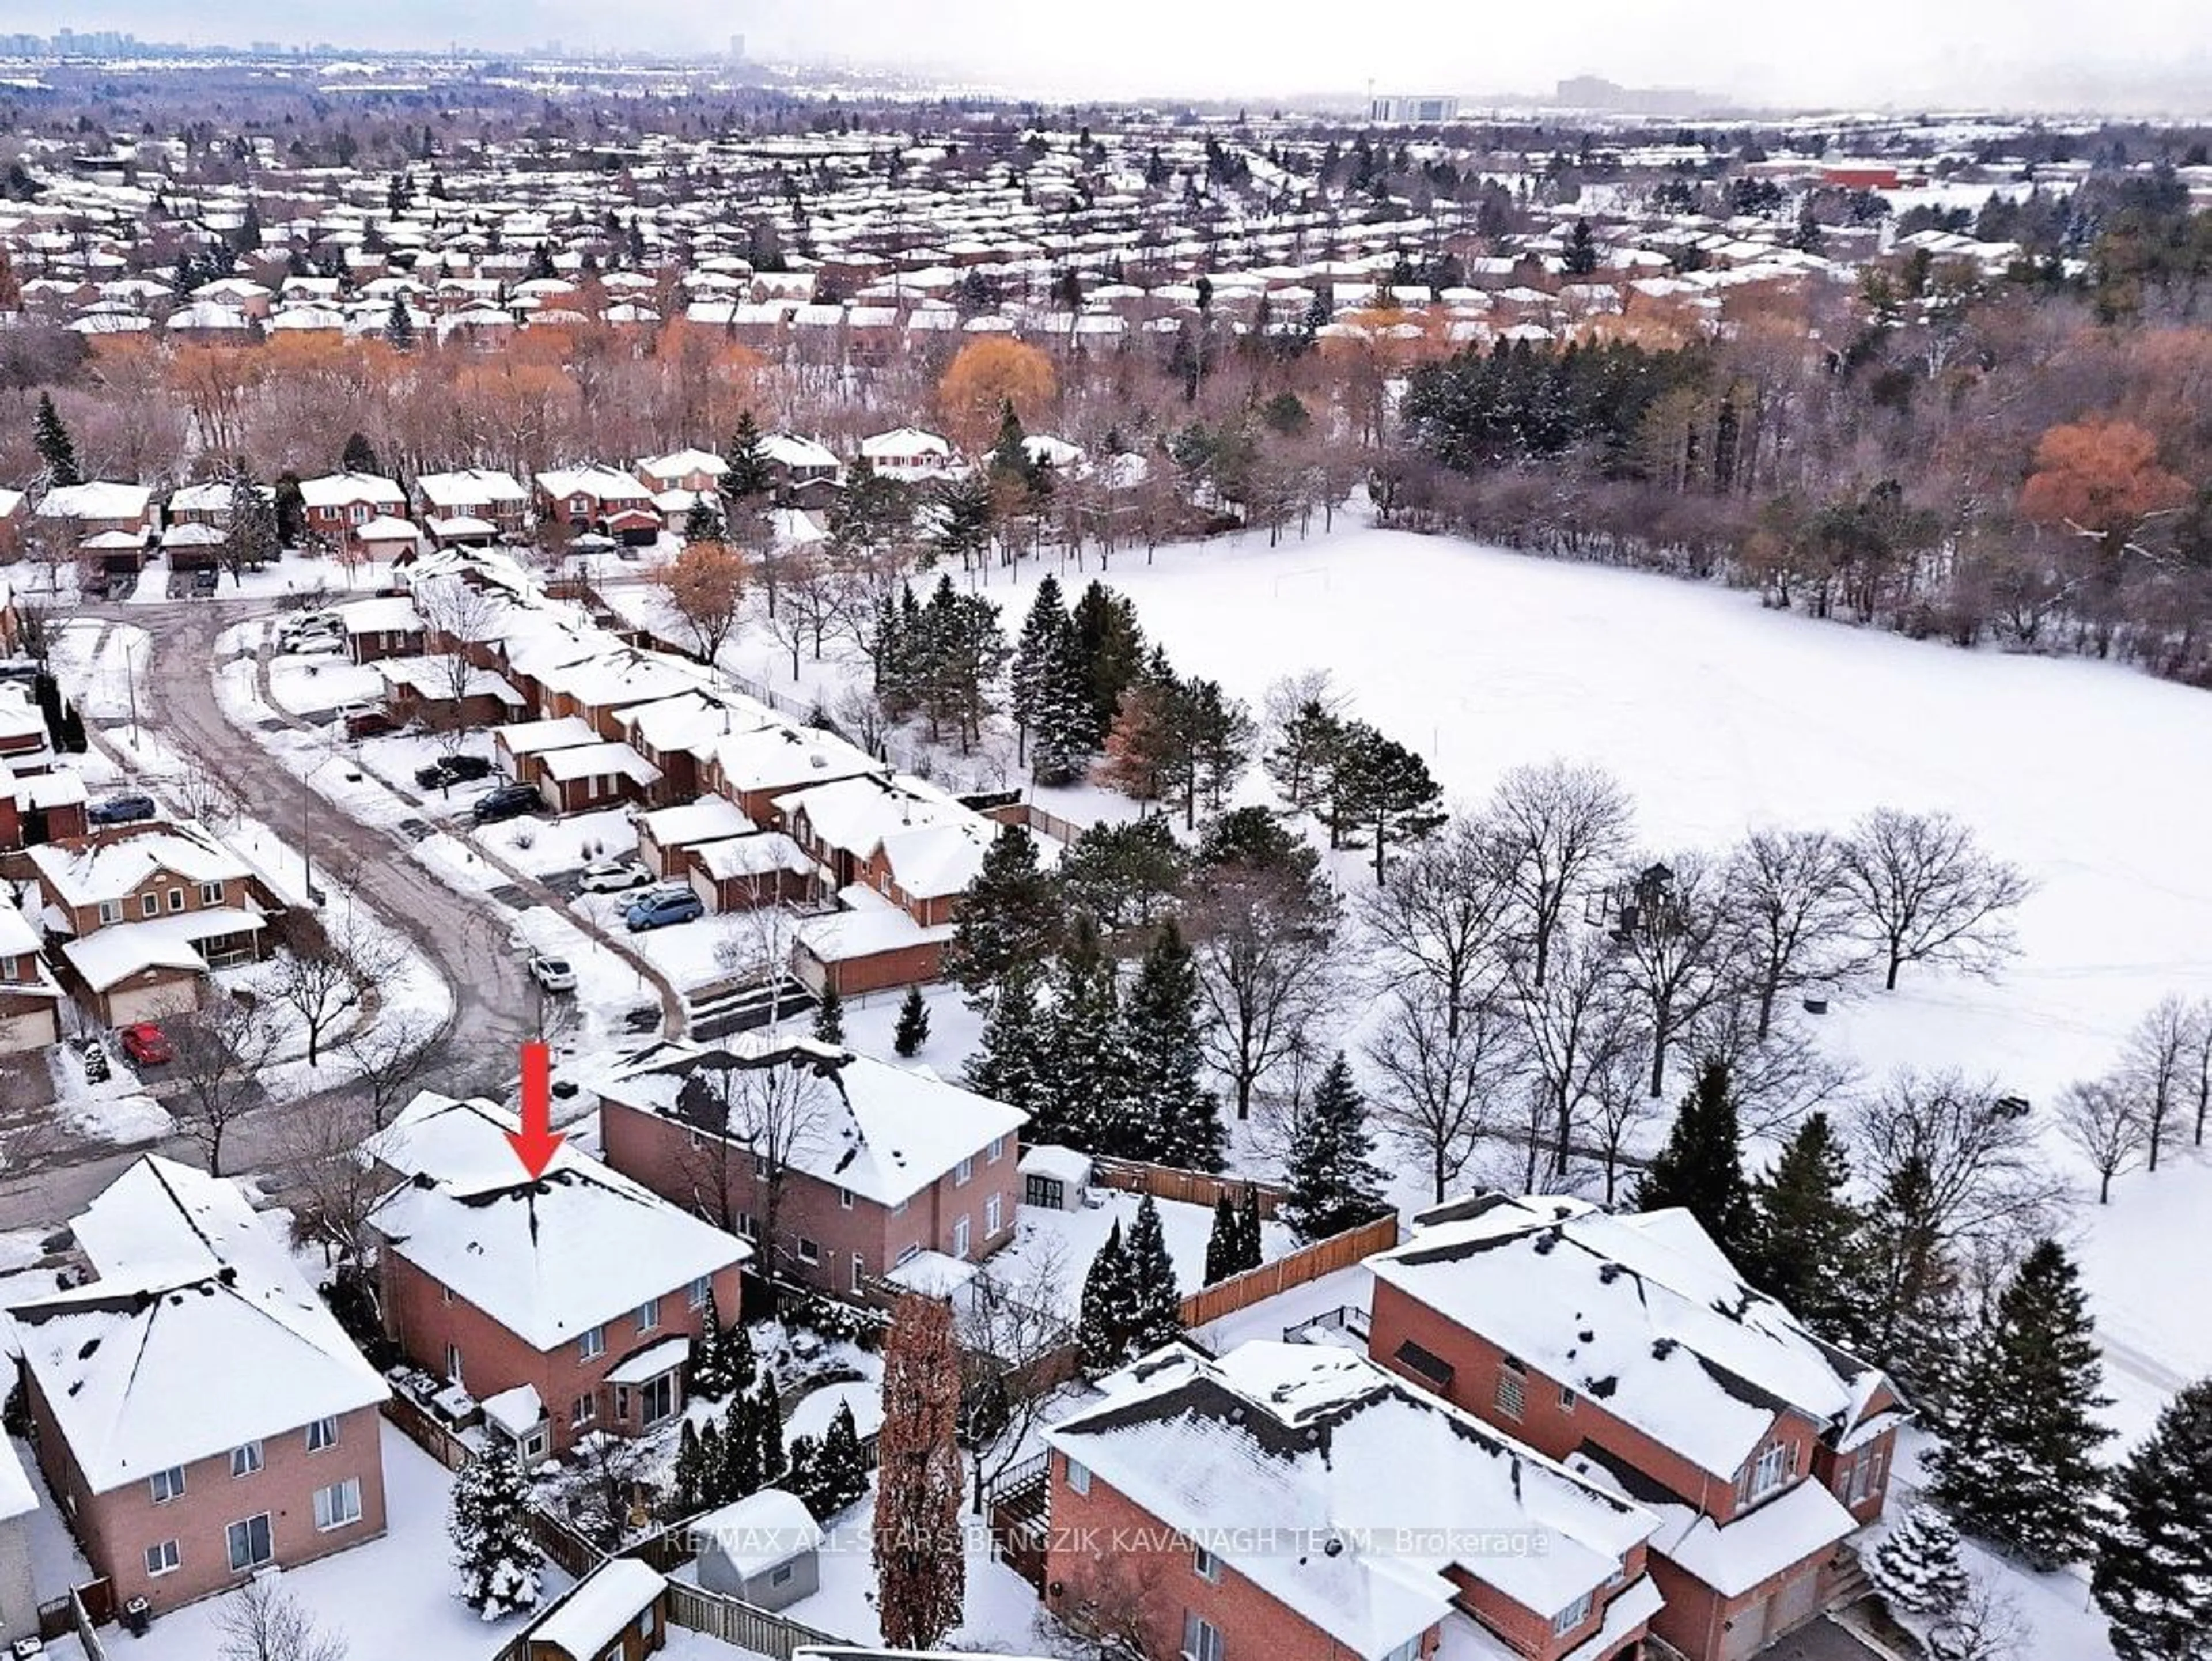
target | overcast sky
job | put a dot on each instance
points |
(2137, 53)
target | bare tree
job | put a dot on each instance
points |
(391, 1055)
(1776, 1081)
(262, 1622)
(2157, 1069)
(1579, 1030)
(218, 1052)
(1672, 943)
(775, 1106)
(456, 616)
(1789, 914)
(611, 1491)
(755, 946)
(1010, 1331)
(2200, 1065)
(1262, 937)
(1986, 1625)
(1440, 915)
(324, 972)
(2099, 1117)
(327, 1146)
(1555, 830)
(1925, 892)
(1985, 1180)
(204, 794)
(1439, 1084)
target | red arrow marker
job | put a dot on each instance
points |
(537, 1142)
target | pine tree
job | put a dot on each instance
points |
(1109, 653)
(742, 1442)
(768, 1424)
(1805, 1232)
(841, 1471)
(400, 326)
(359, 455)
(913, 1029)
(1251, 1242)
(802, 1478)
(1010, 913)
(57, 449)
(711, 1378)
(1225, 1246)
(2019, 1466)
(1013, 1061)
(1156, 1301)
(1042, 631)
(1303, 758)
(1105, 1319)
(920, 1564)
(1380, 786)
(1168, 1115)
(2153, 1574)
(1335, 1182)
(493, 1546)
(1701, 1167)
(1916, 1567)
(747, 474)
(1083, 1044)
(252, 540)
(713, 1468)
(690, 1476)
(73, 738)
(829, 1017)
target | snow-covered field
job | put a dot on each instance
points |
(1069, 1240)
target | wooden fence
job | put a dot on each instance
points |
(745, 1625)
(424, 1428)
(95, 1650)
(1209, 1304)
(1164, 1181)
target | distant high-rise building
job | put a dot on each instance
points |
(1419, 110)
(737, 49)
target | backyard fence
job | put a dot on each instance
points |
(426, 1431)
(1209, 1304)
(742, 1624)
(1167, 1182)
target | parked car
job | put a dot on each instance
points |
(509, 801)
(313, 641)
(554, 974)
(366, 721)
(121, 585)
(613, 877)
(662, 907)
(453, 770)
(145, 1043)
(203, 583)
(121, 810)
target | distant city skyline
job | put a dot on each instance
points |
(1884, 53)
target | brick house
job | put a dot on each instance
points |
(900, 836)
(753, 768)
(699, 471)
(677, 734)
(1629, 1347)
(571, 1299)
(743, 874)
(580, 778)
(597, 497)
(906, 455)
(387, 626)
(29, 999)
(865, 1164)
(495, 498)
(178, 1481)
(37, 805)
(144, 911)
(1297, 1502)
(98, 508)
(339, 506)
(15, 514)
(667, 836)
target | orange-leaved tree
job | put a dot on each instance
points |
(2099, 478)
(705, 587)
(987, 375)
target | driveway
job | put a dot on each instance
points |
(1823, 1639)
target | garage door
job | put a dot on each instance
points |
(1792, 1604)
(150, 1003)
(33, 1031)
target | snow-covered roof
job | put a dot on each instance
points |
(533, 738)
(1643, 1314)
(932, 1274)
(551, 1258)
(1753, 1546)
(885, 1132)
(676, 463)
(112, 954)
(788, 756)
(385, 614)
(113, 866)
(651, 1361)
(759, 855)
(708, 819)
(596, 1612)
(518, 1411)
(597, 481)
(1384, 1483)
(903, 442)
(97, 499)
(755, 1534)
(198, 1336)
(789, 450)
(344, 489)
(1050, 1159)
(583, 760)
(477, 487)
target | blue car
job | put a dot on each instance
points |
(663, 907)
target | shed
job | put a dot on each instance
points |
(1053, 1178)
(764, 1549)
(616, 1613)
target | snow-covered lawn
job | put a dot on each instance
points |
(543, 847)
(119, 1110)
(1070, 1239)
(311, 684)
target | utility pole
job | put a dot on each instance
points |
(131, 679)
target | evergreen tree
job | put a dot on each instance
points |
(742, 1443)
(1302, 759)
(802, 1476)
(2019, 1465)
(691, 1478)
(1335, 1182)
(1155, 1300)
(1049, 697)
(57, 449)
(1701, 1167)
(841, 1471)
(359, 455)
(1043, 630)
(1013, 1062)
(1916, 1567)
(712, 1378)
(920, 1566)
(2153, 1574)
(252, 540)
(913, 1029)
(1109, 653)
(1581, 257)
(1010, 913)
(1084, 1042)
(1106, 1316)
(768, 1424)
(713, 1468)
(1381, 787)
(1225, 1246)
(73, 738)
(1805, 1232)
(493, 1546)
(1907, 1321)
(748, 477)
(1168, 1115)
(1251, 1242)
(400, 326)
(829, 1017)
(964, 513)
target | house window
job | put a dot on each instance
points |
(960, 1236)
(991, 1154)
(899, 1210)
(249, 1542)
(844, 1199)
(245, 1459)
(1407, 1651)
(210, 893)
(1201, 1639)
(1571, 1616)
(964, 1170)
(584, 1410)
(593, 1344)
(1566, 1399)
(908, 1253)
(8, 969)
(860, 1272)
(1775, 1464)
(622, 1404)
(781, 1574)
(454, 1362)
(110, 910)
(648, 1315)
(149, 905)
(1047, 1191)
(746, 1228)
(993, 1214)
(167, 1485)
(533, 1445)
(808, 1252)
(1205, 1565)
(695, 1294)
(1512, 1388)
(658, 1398)
(162, 1559)
(337, 1505)
(1078, 1477)
(445, 1294)
(323, 1433)
(176, 899)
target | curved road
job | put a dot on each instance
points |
(494, 1002)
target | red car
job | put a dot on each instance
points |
(145, 1043)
